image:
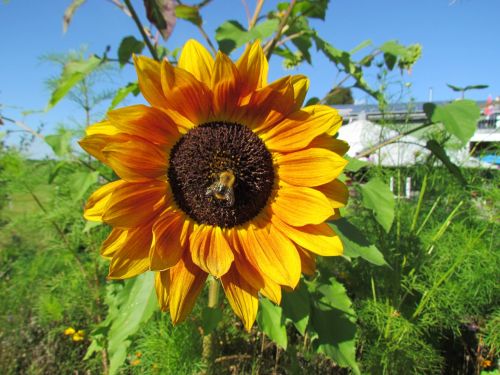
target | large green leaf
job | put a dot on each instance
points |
(137, 304)
(355, 243)
(379, 198)
(459, 117)
(189, 13)
(73, 73)
(128, 46)
(333, 320)
(231, 34)
(60, 142)
(440, 153)
(123, 92)
(80, 183)
(296, 307)
(271, 322)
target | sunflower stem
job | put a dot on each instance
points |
(138, 22)
(209, 340)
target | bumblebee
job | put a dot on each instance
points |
(222, 189)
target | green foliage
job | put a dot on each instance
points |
(161, 13)
(378, 198)
(189, 13)
(271, 322)
(231, 34)
(60, 142)
(128, 46)
(123, 92)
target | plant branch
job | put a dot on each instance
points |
(270, 47)
(207, 38)
(122, 7)
(247, 12)
(391, 140)
(137, 21)
(256, 13)
(289, 38)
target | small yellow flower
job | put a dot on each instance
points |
(135, 362)
(69, 331)
(79, 335)
(486, 363)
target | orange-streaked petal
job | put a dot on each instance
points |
(271, 252)
(251, 274)
(136, 160)
(98, 201)
(162, 287)
(132, 258)
(146, 122)
(167, 246)
(241, 296)
(94, 144)
(300, 85)
(115, 241)
(300, 206)
(268, 105)
(197, 60)
(336, 192)
(210, 250)
(148, 73)
(186, 282)
(253, 68)
(185, 94)
(326, 141)
(310, 167)
(103, 127)
(319, 239)
(133, 204)
(226, 87)
(300, 128)
(307, 261)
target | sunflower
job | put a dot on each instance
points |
(223, 174)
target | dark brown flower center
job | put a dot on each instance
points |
(221, 174)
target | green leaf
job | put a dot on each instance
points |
(55, 170)
(440, 153)
(355, 243)
(271, 322)
(360, 46)
(459, 117)
(136, 303)
(61, 142)
(354, 164)
(128, 46)
(161, 13)
(309, 8)
(378, 197)
(80, 183)
(296, 307)
(189, 13)
(231, 34)
(210, 318)
(333, 320)
(89, 225)
(123, 92)
(70, 12)
(73, 73)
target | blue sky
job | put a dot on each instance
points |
(459, 45)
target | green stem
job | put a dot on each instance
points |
(138, 22)
(270, 47)
(209, 340)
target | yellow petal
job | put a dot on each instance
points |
(185, 94)
(132, 258)
(136, 159)
(148, 73)
(162, 287)
(250, 273)
(310, 167)
(241, 296)
(167, 246)
(319, 239)
(133, 204)
(226, 88)
(300, 128)
(94, 144)
(307, 261)
(103, 127)
(300, 206)
(336, 192)
(197, 60)
(115, 241)
(147, 122)
(253, 68)
(300, 85)
(186, 282)
(98, 201)
(271, 252)
(326, 141)
(271, 290)
(210, 250)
